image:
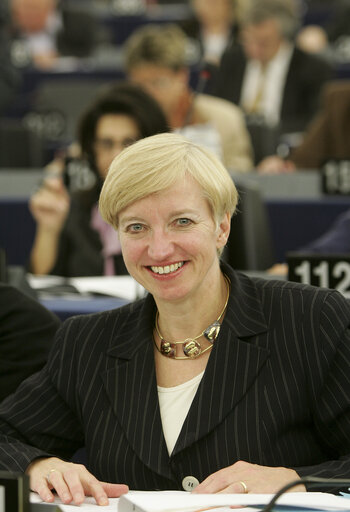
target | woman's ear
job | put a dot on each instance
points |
(223, 230)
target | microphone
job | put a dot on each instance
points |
(310, 481)
(204, 76)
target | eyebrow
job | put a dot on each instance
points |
(182, 213)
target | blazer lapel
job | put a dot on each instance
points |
(131, 385)
(234, 364)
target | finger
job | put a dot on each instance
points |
(94, 488)
(60, 486)
(219, 482)
(72, 479)
(44, 491)
(212, 484)
(114, 490)
(236, 488)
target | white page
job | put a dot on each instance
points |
(169, 501)
(124, 287)
(2, 498)
(117, 286)
(89, 504)
(44, 281)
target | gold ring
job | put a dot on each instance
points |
(244, 485)
(48, 475)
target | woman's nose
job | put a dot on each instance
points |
(160, 246)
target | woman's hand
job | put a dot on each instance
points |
(72, 482)
(275, 165)
(50, 204)
(243, 477)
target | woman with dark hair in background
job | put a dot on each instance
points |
(71, 238)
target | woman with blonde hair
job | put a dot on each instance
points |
(214, 382)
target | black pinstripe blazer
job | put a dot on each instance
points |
(276, 391)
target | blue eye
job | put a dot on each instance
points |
(184, 222)
(135, 228)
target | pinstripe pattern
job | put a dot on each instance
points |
(276, 391)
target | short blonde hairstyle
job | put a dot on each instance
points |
(160, 45)
(154, 164)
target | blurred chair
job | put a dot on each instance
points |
(57, 104)
(3, 271)
(250, 244)
(265, 138)
(15, 276)
(19, 145)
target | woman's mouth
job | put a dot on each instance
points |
(167, 269)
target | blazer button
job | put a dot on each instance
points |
(189, 483)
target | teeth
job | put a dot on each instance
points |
(167, 269)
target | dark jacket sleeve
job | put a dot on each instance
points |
(302, 92)
(329, 394)
(335, 240)
(37, 421)
(26, 333)
(10, 79)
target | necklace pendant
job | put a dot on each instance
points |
(191, 348)
(167, 348)
(212, 332)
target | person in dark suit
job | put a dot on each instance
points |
(10, 78)
(43, 30)
(215, 379)
(326, 137)
(27, 330)
(71, 238)
(267, 74)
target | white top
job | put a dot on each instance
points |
(274, 82)
(45, 40)
(214, 46)
(205, 135)
(174, 405)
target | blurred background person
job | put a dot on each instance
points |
(326, 138)
(156, 59)
(26, 334)
(331, 35)
(214, 26)
(71, 238)
(9, 77)
(43, 30)
(267, 75)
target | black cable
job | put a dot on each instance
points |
(309, 481)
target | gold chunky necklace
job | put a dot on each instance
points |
(190, 346)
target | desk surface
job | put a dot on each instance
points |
(66, 307)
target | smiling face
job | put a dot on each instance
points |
(169, 242)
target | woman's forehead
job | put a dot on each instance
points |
(180, 196)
